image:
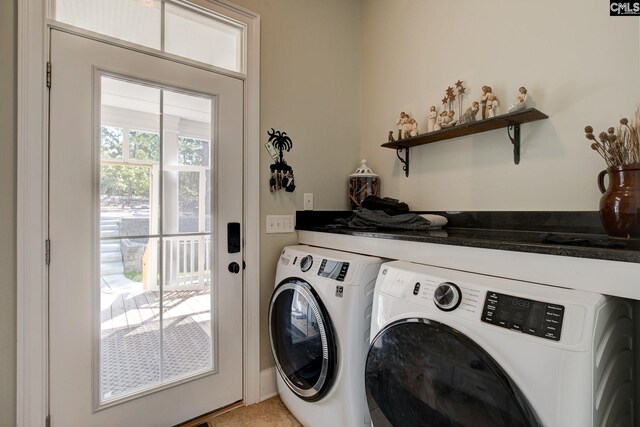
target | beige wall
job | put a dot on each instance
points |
(7, 213)
(310, 71)
(580, 66)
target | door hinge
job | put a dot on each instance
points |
(49, 74)
(47, 421)
(47, 251)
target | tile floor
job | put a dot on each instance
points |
(270, 413)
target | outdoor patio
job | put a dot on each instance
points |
(130, 351)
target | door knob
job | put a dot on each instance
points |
(234, 268)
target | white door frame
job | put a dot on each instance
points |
(32, 200)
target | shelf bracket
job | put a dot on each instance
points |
(515, 140)
(405, 161)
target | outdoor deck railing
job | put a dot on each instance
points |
(187, 262)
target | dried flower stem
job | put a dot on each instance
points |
(618, 146)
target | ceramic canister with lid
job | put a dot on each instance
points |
(362, 183)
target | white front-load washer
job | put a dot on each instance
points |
(452, 348)
(319, 327)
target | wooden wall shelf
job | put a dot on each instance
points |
(509, 121)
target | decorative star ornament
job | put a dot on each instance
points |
(461, 90)
(449, 91)
(458, 84)
(444, 100)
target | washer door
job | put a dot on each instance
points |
(302, 339)
(424, 373)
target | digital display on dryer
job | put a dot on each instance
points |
(531, 317)
(333, 269)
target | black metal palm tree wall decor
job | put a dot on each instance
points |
(281, 172)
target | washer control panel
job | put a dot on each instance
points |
(531, 317)
(331, 269)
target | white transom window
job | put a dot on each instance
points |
(176, 28)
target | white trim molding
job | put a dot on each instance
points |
(32, 337)
(252, 216)
(32, 296)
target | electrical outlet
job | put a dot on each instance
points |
(308, 201)
(280, 224)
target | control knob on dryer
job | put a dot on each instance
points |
(306, 263)
(447, 296)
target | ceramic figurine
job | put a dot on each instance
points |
(521, 100)
(431, 119)
(469, 116)
(449, 121)
(410, 128)
(493, 108)
(440, 120)
(486, 92)
(402, 120)
(391, 138)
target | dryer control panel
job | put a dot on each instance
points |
(530, 317)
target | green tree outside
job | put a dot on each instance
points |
(133, 182)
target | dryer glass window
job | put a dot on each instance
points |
(301, 339)
(420, 373)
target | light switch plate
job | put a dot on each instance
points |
(280, 224)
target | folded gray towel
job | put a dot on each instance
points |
(366, 218)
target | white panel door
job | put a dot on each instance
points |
(146, 172)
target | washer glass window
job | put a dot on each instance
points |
(302, 339)
(421, 372)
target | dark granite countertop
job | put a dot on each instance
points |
(571, 234)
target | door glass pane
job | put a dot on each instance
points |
(130, 332)
(187, 160)
(129, 318)
(129, 169)
(204, 38)
(155, 285)
(136, 21)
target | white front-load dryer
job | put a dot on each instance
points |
(452, 348)
(319, 327)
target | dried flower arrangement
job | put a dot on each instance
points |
(620, 146)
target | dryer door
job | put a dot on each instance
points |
(302, 339)
(424, 373)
